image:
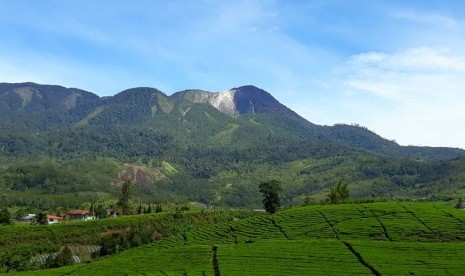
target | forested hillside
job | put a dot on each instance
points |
(73, 145)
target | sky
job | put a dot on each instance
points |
(395, 67)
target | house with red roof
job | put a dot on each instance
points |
(54, 219)
(83, 215)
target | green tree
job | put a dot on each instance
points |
(41, 218)
(101, 211)
(64, 257)
(5, 217)
(338, 194)
(333, 196)
(3, 190)
(125, 196)
(21, 212)
(92, 209)
(158, 209)
(459, 204)
(308, 200)
(342, 189)
(271, 191)
(139, 210)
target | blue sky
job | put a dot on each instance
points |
(396, 67)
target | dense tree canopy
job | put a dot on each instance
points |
(271, 191)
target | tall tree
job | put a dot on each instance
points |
(139, 210)
(64, 257)
(3, 191)
(125, 196)
(459, 204)
(92, 209)
(271, 191)
(340, 193)
(333, 196)
(41, 218)
(342, 189)
(158, 209)
(101, 211)
(5, 217)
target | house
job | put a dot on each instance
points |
(30, 218)
(113, 213)
(54, 219)
(83, 215)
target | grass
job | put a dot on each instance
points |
(389, 238)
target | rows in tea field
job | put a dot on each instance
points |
(334, 257)
(378, 221)
(391, 221)
(281, 257)
(413, 258)
(380, 238)
(261, 258)
(192, 260)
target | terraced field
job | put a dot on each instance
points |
(348, 239)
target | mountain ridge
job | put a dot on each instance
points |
(218, 157)
(32, 107)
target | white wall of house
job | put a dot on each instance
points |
(53, 221)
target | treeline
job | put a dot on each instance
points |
(216, 178)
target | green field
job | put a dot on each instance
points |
(21, 242)
(394, 238)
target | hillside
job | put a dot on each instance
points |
(63, 142)
(394, 238)
(30, 107)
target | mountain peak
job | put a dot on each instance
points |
(250, 100)
(249, 88)
(37, 97)
(237, 101)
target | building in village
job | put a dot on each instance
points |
(83, 215)
(54, 219)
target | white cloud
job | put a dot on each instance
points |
(431, 18)
(424, 89)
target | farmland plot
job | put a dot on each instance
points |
(394, 238)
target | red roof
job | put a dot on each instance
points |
(54, 217)
(79, 212)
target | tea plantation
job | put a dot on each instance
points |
(393, 238)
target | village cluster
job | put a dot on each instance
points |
(72, 215)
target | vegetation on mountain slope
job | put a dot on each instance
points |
(84, 142)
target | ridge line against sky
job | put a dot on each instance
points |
(396, 67)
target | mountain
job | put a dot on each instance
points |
(220, 143)
(364, 139)
(30, 107)
(243, 100)
(33, 107)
